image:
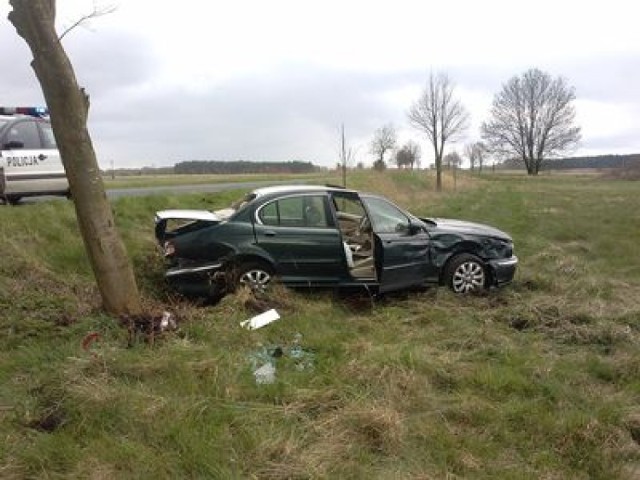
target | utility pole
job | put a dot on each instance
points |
(343, 154)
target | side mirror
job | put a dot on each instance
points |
(13, 145)
(414, 229)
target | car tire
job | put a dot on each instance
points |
(466, 274)
(13, 199)
(255, 275)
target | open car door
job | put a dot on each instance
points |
(403, 246)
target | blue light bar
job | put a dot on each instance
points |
(31, 111)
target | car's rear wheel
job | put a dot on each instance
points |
(466, 273)
(254, 275)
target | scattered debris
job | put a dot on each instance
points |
(168, 322)
(303, 358)
(148, 326)
(89, 339)
(266, 374)
(261, 320)
(263, 361)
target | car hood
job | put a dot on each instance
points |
(464, 227)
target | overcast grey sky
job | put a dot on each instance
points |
(274, 80)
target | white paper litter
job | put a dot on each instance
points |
(260, 320)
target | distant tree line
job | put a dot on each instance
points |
(242, 166)
(599, 161)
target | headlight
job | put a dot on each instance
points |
(496, 248)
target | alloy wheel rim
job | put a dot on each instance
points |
(256, 280)
(468, 277)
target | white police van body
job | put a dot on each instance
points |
(30, 164)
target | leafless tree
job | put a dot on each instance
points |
(475, 153)
(347, 154)
(68, 104)
(469, 153)
(440, 116)
(453, 160)
(532, 118)
(408, 155)
(384, 140)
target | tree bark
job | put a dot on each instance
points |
(68, 105)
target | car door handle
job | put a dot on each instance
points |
(42, 156)
(269, 233)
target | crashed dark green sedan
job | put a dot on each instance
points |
(319, 236)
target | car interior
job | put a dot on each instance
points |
(357, 235)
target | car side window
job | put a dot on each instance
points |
(48, 140)
(386, 217)
(25, 133)
(269, 214)
(300, 211)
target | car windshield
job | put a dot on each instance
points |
(386, 217)
(3, 122)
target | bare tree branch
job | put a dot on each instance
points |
(95, 13)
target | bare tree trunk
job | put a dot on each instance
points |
(68, 104)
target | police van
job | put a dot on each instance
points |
(30, 164)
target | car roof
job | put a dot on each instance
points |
(275, 189)
(20, 116)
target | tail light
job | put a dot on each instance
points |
(169, 249)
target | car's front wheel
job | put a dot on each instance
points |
(466, 273)
(254, 275)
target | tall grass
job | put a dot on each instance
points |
(537, 380)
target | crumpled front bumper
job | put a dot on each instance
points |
(503, 269)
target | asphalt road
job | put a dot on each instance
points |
(114, 193)
(202, 188)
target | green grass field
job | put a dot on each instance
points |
(540, 379)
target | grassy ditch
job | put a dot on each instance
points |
(537, 380)
(140, 181)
